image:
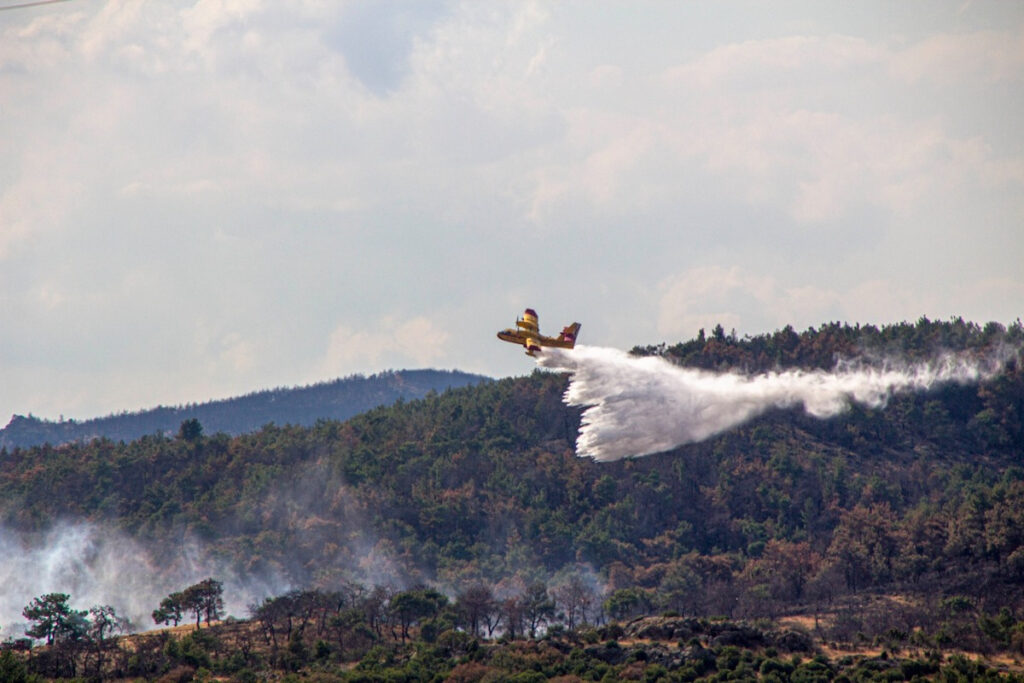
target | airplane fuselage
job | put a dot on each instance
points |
(527, 334)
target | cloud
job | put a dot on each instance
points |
(240, 354)
(377, 39)
(707, 296)
(787, 117)
(987, 56)
(796, 124)
(204, 19)
(249, 156)
(764, 64)
(752, 302)
(389, 342)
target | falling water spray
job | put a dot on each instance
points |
(636, 406)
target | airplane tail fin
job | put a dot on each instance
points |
(569, 334)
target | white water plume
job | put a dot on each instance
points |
(636, 406)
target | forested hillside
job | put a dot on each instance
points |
(336, 400)
(922, 499)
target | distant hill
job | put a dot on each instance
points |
(899, 526)
(336, 400)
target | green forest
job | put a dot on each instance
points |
(897, 528)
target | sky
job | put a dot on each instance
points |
(207, 198)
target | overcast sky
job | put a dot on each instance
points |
(203, 199)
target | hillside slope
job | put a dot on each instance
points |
(923, 497)
(336, 400)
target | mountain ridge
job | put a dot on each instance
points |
(337, 399)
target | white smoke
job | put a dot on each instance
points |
(636, 406)
(96, 566)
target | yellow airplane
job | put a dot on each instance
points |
(527, 334)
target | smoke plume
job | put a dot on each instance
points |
(97, 565)
(636, 406)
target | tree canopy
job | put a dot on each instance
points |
(480, 486)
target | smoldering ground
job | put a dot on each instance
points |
(305, 528)
(635, 406)
(98, 565)
(316, 536)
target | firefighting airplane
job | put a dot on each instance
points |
(527, 334)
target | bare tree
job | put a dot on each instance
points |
(475, 606)
(576, 599)
(105, 624)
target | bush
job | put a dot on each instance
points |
(245, 676)
(528, 677)
(775, 666)
(13, 669)
(611, 632)
(917, 667)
